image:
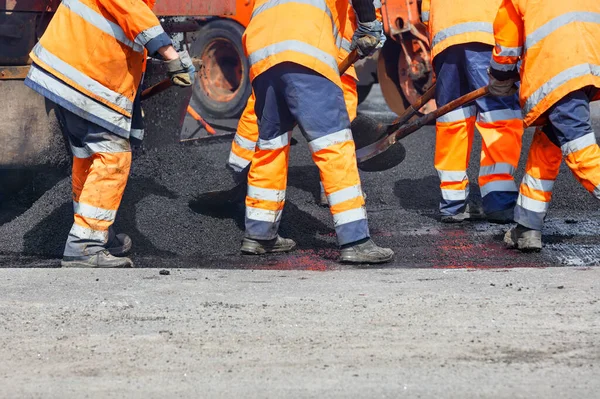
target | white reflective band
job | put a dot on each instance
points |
(344, 195)
(79, 152)
(94, 212)
(538, 184)
(331, 139)
(262, 215)
(425, 16)
(377, 4)
(82, 79)
(466, 27)
(237, 162)
(244, 142)
(532, 205)
(458, 115)
(509, 51)
(350, 216)
(346, 44)
(276, 143)
(500, 168)
(114, 146)
(146, 35)
(499, 115)
(266, 194)
(452, 175)
(106, 26)
(293, 45)
(550, 85)
(454, 195)
(558, 22)
(578, 144)
(497, 186)
(596, 192)
(88, 234)
(137, 133)
(503, 67)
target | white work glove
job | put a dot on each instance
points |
(502, 88)
(368, 38)
(181, 70)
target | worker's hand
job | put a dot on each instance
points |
(368, 37)
(181, 70)
(502, 88)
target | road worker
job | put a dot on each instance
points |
(293, 52)
(244, 141)
(90, 62)
(557, 44)
(462, 40)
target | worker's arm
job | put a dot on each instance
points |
(509, 37)
(369, 32)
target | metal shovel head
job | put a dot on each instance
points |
(366, 130)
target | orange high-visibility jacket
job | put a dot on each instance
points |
(558, 43)
(91, 58)
(308, 33)
(454, 22)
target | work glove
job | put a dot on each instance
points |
(181, 70)
(502, 88)
(368, 38)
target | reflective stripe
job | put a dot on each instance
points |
(80, 152)
(499, 115)
(452, 175)
(574, 72)
(116, 146)
(538, 184)
(148, 34)
(350, 216)
(509, 51)
(346, 45)
(293, 45)
(266, 194)
(262, 215)
(106, 26)
(498, 185)
(500, 168)
(89, 234)
(560, 21)
(578, 144)
(502, 67)
(458, 115)
(94, 212)
(596, 192)
(377, 4)
(244, 142)
(459, 29)
(331, 139)
(82, 79)
(237, 162)
(137, 133)
(344, 195)
(532, 205)
(454, 195)
(425, 16)
(276, 143)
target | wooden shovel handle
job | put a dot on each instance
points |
(348, 61)
(412, 110)
(157, 88)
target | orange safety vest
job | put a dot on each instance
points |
(308, 33)
(458, 22)
(558, 44)
(91, 58)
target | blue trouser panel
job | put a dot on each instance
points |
(459, 70)
(289, 93)
(568, 120)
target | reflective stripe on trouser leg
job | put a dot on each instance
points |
(244, 141)
(535, 192)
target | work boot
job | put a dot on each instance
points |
(119, 245)
(524, 239)
(469, 213)
(365, 252)
(259, 247)
(102, 259)
(504, 216)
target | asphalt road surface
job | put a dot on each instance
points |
(455, 315)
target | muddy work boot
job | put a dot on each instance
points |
(119, 245)
(469, 213)
(501, 217)
(365, 252)
(523, 239)
(102, 259)
(259, 247)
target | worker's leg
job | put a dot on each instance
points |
(454, 133)
(244, 143)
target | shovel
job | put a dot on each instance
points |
(376, 156)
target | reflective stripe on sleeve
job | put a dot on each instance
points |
(498, 185)
(293, 45)
(266, 194)
(543, 31)
(346, 44)
(349, 216)
(425, 16)
(502, 67)
(148, 34)
(344, 195)
(106, 26)
(377, 4)
(244, 142)
(94, 212)
(500, 168)
(538, 184)
(454, 195)
(466, 27)
(276, 143)
(262, 215)
(509, 51)
(458, 115)
(532, 205)
(452, 175)
(331, 139)
(87, 233)
(578, 144)
(499, 115)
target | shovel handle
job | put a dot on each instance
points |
(412, 110)
(157, 88)
(348, 61)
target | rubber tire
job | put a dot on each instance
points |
(232, 32)
(363, 92)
